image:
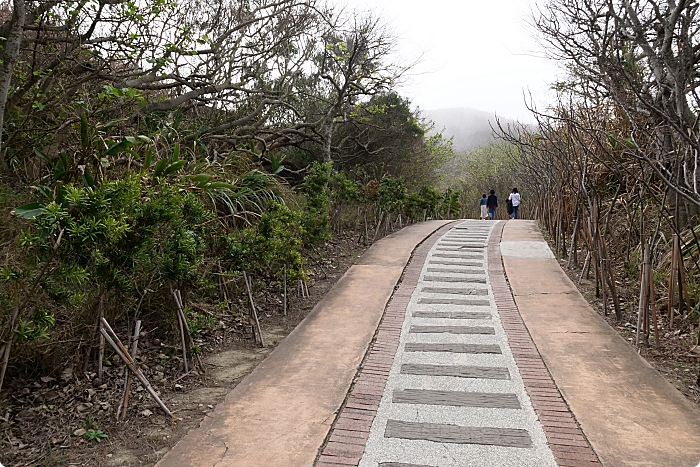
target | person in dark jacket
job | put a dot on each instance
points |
(492, 204)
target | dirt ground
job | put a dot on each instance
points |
(677, 357)
(69, 420)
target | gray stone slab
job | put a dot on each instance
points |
(459, 255)
(457, 263)
(456, 371)
(453, 348)
(456, 398)
(455, 291)
(453, 301)
(399, 464)
(452, 329)
(438, 433)
(457, 270)
(465, 280)
(451, 314)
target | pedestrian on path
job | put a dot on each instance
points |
(492, 204)
(514, 198)
(484, 208)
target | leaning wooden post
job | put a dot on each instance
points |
(101, 354)
(124, 405)
(682, 288)
(181, 326)
(252, 306)
(285, 289)
(188, 334)
(119, 348)
(672, 281)
(643, 292)
(654, 314)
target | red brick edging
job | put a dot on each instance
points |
(346, 440)
(565, 438)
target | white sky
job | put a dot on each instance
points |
(475, 53)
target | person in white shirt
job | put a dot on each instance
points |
(514, 198)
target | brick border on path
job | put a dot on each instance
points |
(564, 435)
(348, 435)
(346, 440)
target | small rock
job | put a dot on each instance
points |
(160, 420)
(84, 407)
(146, 413)
(80, 432)
(178, 387)
(67, 374)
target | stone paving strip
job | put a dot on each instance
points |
(448, 393)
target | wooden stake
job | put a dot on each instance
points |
(643, 292)
(188, 336)
(610, 278)
(586, 265)
(682, 288)
(181, 325)
(285, 289)
(672, 281)
(101, 355)
(654, 315)
(119, 348)
(124, 405)
(252, 307)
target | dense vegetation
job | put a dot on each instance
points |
(151, 147)
(614, 164)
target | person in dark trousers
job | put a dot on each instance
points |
(482, 205)
(514, 198)
(492, 204)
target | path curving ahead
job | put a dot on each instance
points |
(450, 368)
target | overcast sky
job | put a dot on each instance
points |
(475, 53)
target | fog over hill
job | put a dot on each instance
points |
(470, 128)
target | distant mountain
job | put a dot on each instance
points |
(470, 128)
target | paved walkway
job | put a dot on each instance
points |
(445, 370)
(454, 396)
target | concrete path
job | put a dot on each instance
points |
(280, 414)
(454, 396)
(630, 414)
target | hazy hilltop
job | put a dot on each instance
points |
(470, 128)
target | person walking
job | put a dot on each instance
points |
(492, 204)
(514, 197)
(484, 209)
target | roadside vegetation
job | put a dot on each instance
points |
(171, 162)
(612, 168)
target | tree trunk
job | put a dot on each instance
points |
(8, 55)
